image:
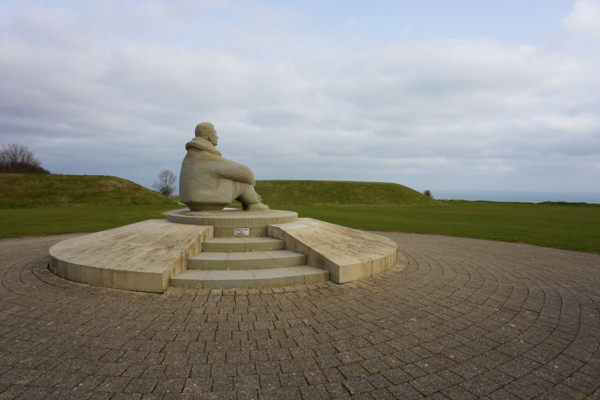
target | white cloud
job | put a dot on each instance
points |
(585, 18)
(117, 88)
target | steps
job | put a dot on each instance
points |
(248, 262)
(250, 278)
(242, 244)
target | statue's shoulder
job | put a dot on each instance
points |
(202, 156)
(202, 146)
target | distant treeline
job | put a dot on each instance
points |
(21, 168)
(541, 203)
(566, 203)
(18, 159)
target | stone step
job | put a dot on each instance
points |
(242, 244)
(253, 278)
(246, 260)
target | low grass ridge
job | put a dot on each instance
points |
(339, 193)
(41, 190)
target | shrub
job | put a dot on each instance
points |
(18, 159)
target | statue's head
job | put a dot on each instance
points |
(207, 131)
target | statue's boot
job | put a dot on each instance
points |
(251, 201)
(257, 207)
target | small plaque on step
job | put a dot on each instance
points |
(241, 231)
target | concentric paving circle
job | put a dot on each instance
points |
(462, 319)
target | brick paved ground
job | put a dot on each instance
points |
(464, 319)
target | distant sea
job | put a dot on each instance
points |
(522, 197)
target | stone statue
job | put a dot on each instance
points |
(209, 181)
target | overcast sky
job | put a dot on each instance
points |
(432, 94)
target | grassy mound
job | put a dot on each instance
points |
(338, 193)
(41, 190)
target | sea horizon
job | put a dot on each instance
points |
(517, 196)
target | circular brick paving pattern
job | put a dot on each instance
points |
(461, 319)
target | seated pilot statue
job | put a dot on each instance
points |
(209, 181)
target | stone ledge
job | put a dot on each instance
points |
(225, 221)
(256, 278)
(246, 260)
(348, 254)
(142, 256)
(231, 218)
(241, 244)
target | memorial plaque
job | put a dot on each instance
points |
(241, 231)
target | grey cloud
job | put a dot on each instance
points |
(119, 89)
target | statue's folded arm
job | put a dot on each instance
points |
(232, 171)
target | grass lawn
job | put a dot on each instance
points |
(563, 226)
(566, 226)
(50, 221)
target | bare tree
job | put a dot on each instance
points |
(16, 158)
(166, 182)
(428, 193)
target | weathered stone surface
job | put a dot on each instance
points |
(250, 278)
(246, 260)
(209, 181)
(348, 254)
(242, 244)
(225, 221)
(146, 255)
(140, 256)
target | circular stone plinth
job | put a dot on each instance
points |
(233, 218)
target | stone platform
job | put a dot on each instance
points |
(224, 221)
(222, 249)
(142, 256)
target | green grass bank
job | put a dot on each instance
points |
(53, 204)
(41, 190)
(339, 193)
(36, 204)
